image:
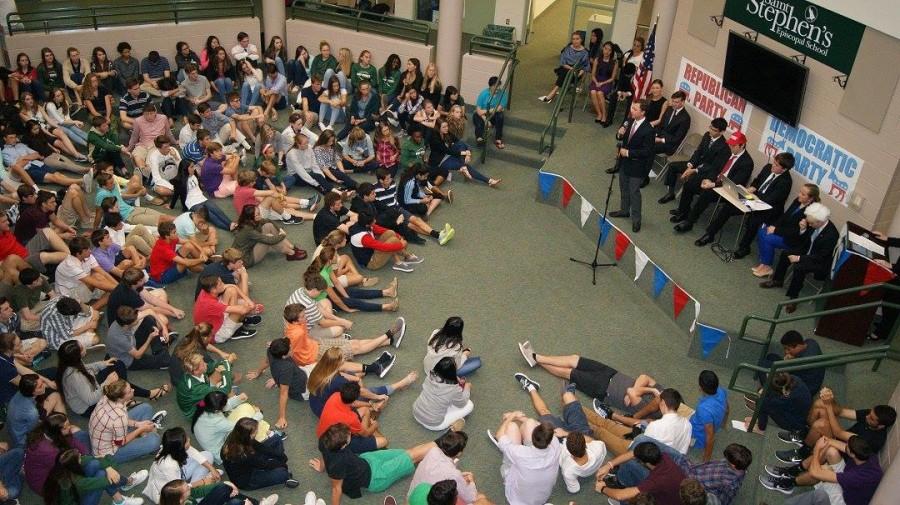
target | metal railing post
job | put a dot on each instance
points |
(94, 17)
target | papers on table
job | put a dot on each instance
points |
(865, 243)
(756, 205)
(738, 425)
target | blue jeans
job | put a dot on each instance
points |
(75, 134)
(471, 364)
(633, 472)
(357, 298)
(329, 115)
(93, 469)
(141, 446)
(217, 216)
(767, 244)
(340, 75)
(84, 437)
(271, 477)
(249, 96)
(279, 64)
(11, 471)
(225, 85)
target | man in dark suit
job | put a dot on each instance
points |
(637, 149)
(738, 167)
(772, 186)
(812, 256)
(674, 125)
(711, 151)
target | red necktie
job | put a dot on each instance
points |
(726, 168)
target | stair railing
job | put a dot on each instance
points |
(506, 75)
(567, 89)
(831, 360)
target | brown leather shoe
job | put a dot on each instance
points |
(770, 284)
(790, 308)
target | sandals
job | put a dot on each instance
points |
(160, 392)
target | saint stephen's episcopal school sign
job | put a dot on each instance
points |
(814, 31)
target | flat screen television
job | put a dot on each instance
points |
(765, 78)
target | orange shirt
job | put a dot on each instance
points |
(336, 411)
(304, 350)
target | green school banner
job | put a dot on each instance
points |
(815, 31)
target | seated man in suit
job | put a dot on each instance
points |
(772, 185)
(818, 240)
(635, 154)
(712, 151)
(736, 167)
(674, 125)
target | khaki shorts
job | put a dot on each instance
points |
(144, 216)
(140, 152)
(227, 330)
(67, 215)
(341, 343)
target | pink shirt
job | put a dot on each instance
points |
(145, 132)
(243, 196)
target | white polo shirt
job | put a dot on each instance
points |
(672, 430)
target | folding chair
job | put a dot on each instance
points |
(682, 154)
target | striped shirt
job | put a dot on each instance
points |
(132, 106)
(386, 196)
(193, 151)
(55, 327)
(312, 312)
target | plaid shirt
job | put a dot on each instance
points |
(387, 153)
(108, 427)
(718, 477)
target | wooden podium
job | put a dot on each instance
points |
(854, 266)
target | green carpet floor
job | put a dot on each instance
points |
(508, 275)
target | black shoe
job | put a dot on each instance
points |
(526, 382)
(291, 483)
(293, 220)
(612, 482)
(675, 212)
(784, 471)
(702, 241)
(382, 365)
(666, 198)
(416, 239)
(791, 437)
(781, 484)
(252, 320)
(636, 227)
(243, 332)
(771, 284)
(619, 213)
(741, 253)
(791, 457)
(684, 226)
(612, 170)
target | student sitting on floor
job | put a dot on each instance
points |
(373, 246)
(448, 341)
(440, 464)
(135, 342)
(222, 306)
(168, 261)
(344, 407)
(529, 470)
(251, 464)
(445, 398)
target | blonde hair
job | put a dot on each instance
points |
(194, 342)
(433, 82)
(325, 370)
(192, 361)
(248, 177)
(115, 391)
(87, 89)
(356, 134)
(334, 238)
(345, 60)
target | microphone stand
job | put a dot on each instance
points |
(594, 264)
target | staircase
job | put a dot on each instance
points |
(521, 136)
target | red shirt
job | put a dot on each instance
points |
(162, 257)
(243, 196)
(208, 309)
(336, 411)
(9, 245)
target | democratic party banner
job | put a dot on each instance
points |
(815, 31)
(706, 94)
(819, 160)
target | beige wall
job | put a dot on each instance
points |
(880, 151)
(143, 38)
(307, 33)
(476, 70)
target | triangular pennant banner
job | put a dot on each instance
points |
(622, 242)
(841, 259)
(679, 299)
(605, 228)
(660, 279)
(586, 209)
(710, 337)
(696, 315)
(567, 191)
(875, 273)
(545, 182)
(640, 261)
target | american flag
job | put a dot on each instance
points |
(640, 83)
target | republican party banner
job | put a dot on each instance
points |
(819, 160)
(706, 94)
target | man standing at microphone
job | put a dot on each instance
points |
(635, 154)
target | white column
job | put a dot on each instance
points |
(449, 41)
(665, 9)
(273, 17)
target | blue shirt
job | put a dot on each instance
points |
(124, 208)
(22, 417)
(193, 151)
(155, 70)
(710, 410)
(486, 102)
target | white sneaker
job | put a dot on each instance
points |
(320, 502)
(322, 126)
(310, 498)
(136, 479)
(272, 499)
(130, 500)
(527, 353)
(87, 181)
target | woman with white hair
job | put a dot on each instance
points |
(812, 255)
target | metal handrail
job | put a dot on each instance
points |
(95, 17)
(830, 360)
(506, 75)
(492, 46)
(363, 21)
(776, 319)
(564, 91)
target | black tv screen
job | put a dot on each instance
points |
(765, 78)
